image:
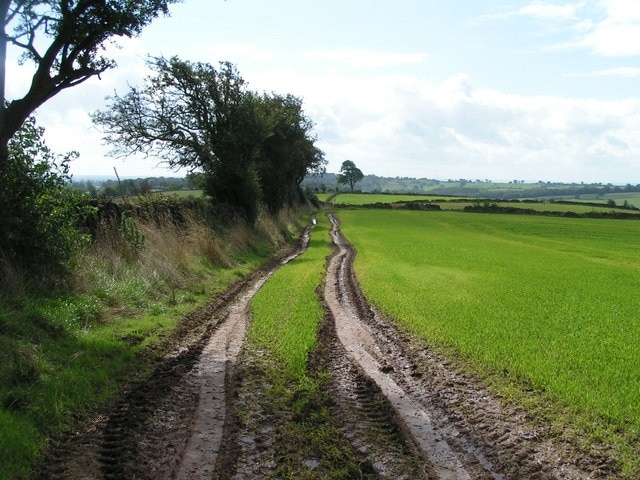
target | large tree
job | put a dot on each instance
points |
(288, 152)
(250, 148)
(349, 174)
(66, 40)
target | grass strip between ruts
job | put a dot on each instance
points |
(286, 314)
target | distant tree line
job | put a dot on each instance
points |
(131, 187)
(329, 182)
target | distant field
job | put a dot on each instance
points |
(458, 203)
(367, 198)
(632, 198)
(323, 196)
(552, 301)
(542, 207)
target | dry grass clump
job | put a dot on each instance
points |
(157, 255)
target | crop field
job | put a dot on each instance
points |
(551, 302)
(459, 203)
(323, 197)
(368, 198)
(541, 207)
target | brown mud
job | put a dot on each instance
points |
(401, 410)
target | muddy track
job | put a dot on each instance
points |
(170, 424)
(459, 428)
(403, 411)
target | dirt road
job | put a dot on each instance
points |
(405, 411)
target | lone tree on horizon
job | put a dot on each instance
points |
(349, 174)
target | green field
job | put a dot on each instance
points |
(459, 203)
(286, 313)
(369, 198)
(551, 302)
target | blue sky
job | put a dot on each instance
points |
(476, 89)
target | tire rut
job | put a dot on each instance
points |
(162, 426)
(458, 427)
(405, 411)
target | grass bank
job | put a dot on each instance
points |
(546, 303)
(66, 351)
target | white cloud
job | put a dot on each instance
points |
(453, 130)
(396, 125)
(616, 34)
(605, 27)
(539, 10)
(551, 11)
(364, 58)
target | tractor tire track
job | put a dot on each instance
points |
(459, 429)
(404, 410)
(171, 424)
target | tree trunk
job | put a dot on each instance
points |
(4, 140)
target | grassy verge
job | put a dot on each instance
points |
(65, 352)
(286, 316)
(544, 303)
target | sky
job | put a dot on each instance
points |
(475, 89)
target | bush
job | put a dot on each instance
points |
(39, 212)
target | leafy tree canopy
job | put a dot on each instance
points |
(39, 212)
(66, 41)
(250, 148)
(349, 174)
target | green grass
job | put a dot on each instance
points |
(323, 196)
(633, 198)
(458, 203)
(61, 356)
(551, 301)
(368, 198)
(286, 311)
(538, 206)
(286, 315)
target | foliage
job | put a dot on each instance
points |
(349, 174)
(287, 153)
(546, 301)
(38, 211)
(65, 40)
(249, 148)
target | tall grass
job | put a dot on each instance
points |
(63, 352)
(550, 302)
